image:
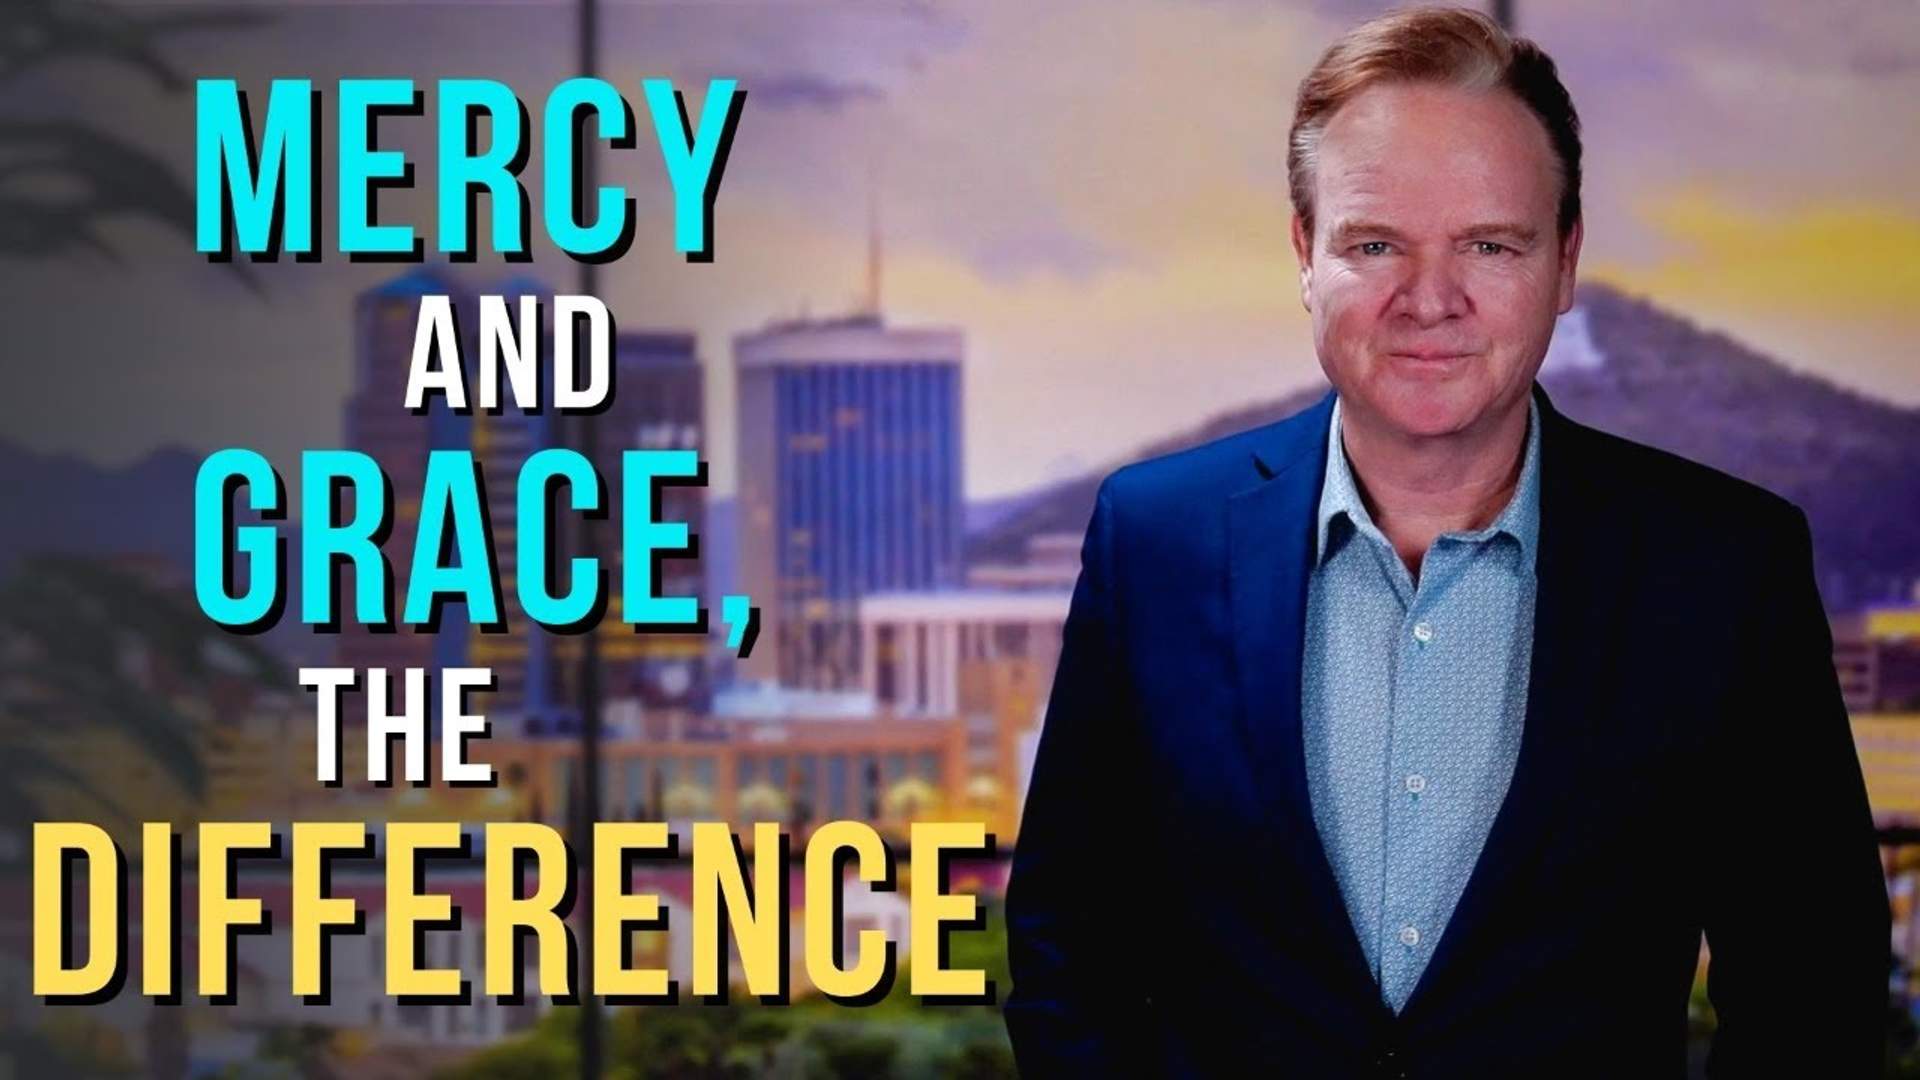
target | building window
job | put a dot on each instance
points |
(867, 787)
(836, 787)
(562, 790)
(806, 802)
(1010, 639)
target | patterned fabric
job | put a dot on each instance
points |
(1413, 698)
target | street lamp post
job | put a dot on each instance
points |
(583, 436)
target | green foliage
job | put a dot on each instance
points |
(535, 1057)
(68, 627)
(302, 1048)
(66, 1047)
(685, 1042)
(982, 1060)
(850, 1052)
(896, 1038)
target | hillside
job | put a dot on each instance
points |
(1624, 365)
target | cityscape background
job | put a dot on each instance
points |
(968, 258)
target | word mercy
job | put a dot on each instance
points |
(257, 191)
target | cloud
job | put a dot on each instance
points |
(1881, 61)
(1818, 258)
(1821, 283)
(804, 90)
(1094, 191)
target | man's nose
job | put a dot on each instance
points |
(1432, 292)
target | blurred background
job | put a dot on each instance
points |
(968, 257)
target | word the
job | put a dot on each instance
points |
(408, 723)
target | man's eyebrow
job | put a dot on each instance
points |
(1524, 235)
(1348, 231)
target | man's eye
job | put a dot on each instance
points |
(1372, 247)
(1489, 247)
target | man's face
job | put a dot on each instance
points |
(1435, 270)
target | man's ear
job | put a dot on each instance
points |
(1303, 252)
(1569, 262)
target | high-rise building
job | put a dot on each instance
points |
(379, 425)
(659, 403)
(1876, 653)
(520, 653)
(849, 483)
(983, 656)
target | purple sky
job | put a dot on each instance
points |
(1095, 192)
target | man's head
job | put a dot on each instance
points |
(1434, 164)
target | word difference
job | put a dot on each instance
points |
(757, 910)
(256, 192)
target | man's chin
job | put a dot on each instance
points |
(1429, 410)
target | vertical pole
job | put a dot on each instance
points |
(1503, 14)
(589, 675)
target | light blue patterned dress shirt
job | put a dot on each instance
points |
(1413, 697)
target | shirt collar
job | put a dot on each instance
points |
(1340, 496)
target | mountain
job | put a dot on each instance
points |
(1622, 364)
(54, 504)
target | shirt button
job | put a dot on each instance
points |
(1422, 632)
(1409, 936)
(1416, 783)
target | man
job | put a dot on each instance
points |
(1427, 732)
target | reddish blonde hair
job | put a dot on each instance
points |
(1449, 46)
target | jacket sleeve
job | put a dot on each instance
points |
(1076, 1008)
(1797, 917)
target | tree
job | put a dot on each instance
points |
(60, 179)
(849, 1052)
(84, 647)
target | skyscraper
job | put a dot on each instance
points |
(659, 403)
(379, 425)
(849, 482)
(520, 655)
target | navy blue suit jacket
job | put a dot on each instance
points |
(1686, 766)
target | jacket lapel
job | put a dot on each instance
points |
(1270, 530)
(1573, 629)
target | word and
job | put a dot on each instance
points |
(510, 356)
